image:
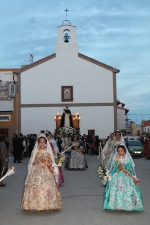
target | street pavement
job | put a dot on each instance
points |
(82, 195)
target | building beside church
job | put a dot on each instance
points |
(146, 127)
(122, 120)
(67, 77)
(135, 129)
(8, 102)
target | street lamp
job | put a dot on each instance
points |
(77, 117)
(57, 118)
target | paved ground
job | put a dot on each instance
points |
(82, 196)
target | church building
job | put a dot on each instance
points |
(67, 77)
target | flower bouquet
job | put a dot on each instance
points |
(103, 174)
(60, 159)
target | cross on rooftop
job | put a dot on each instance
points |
(66, 10)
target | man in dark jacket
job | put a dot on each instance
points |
(18, 148)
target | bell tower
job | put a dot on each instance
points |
(66, 38)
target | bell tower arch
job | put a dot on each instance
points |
(66, 39)
(67, 36)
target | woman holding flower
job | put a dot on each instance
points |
(122, 191)
(56, 153)
(76, 159)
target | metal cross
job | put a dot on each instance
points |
(66, 12)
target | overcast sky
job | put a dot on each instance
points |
(115, 32)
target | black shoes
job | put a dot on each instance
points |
(2, 185)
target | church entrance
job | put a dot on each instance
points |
(91, 132)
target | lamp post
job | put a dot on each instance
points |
(57, 118)
(76, 119)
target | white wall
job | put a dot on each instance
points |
(121, 119)
(7, 76)
(42, 84)
(6, 105)
(100, 119)
(147, 129)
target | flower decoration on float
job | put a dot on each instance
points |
(66, 132)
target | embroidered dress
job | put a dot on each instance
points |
(60, 177)
(41, 191)
(76, 159)
(121, 193)
(106, 152)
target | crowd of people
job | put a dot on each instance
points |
(22, 145)
(47, 153)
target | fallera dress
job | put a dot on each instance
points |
(41, 192)
(121, 193)
(75, 159)
(60, 177)
(105, 156)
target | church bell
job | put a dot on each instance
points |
(66, 38)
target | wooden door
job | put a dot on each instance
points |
(4, 131)
(91, 132)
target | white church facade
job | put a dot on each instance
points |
(67, 77)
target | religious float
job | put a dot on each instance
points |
(67, 125)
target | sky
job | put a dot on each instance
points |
(115, 32)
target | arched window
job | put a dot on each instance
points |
(66, 36)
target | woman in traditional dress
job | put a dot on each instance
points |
(41, 190)
(53, 144)
(107, 150)
(117, 140)
(76, 159)
(122, 191)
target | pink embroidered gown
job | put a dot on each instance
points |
(41, 191)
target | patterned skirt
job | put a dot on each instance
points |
(75, 161)
(41, 192)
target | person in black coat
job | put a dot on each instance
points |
(18, 148)
(6, 142)
(59, 143)
(31, 144)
